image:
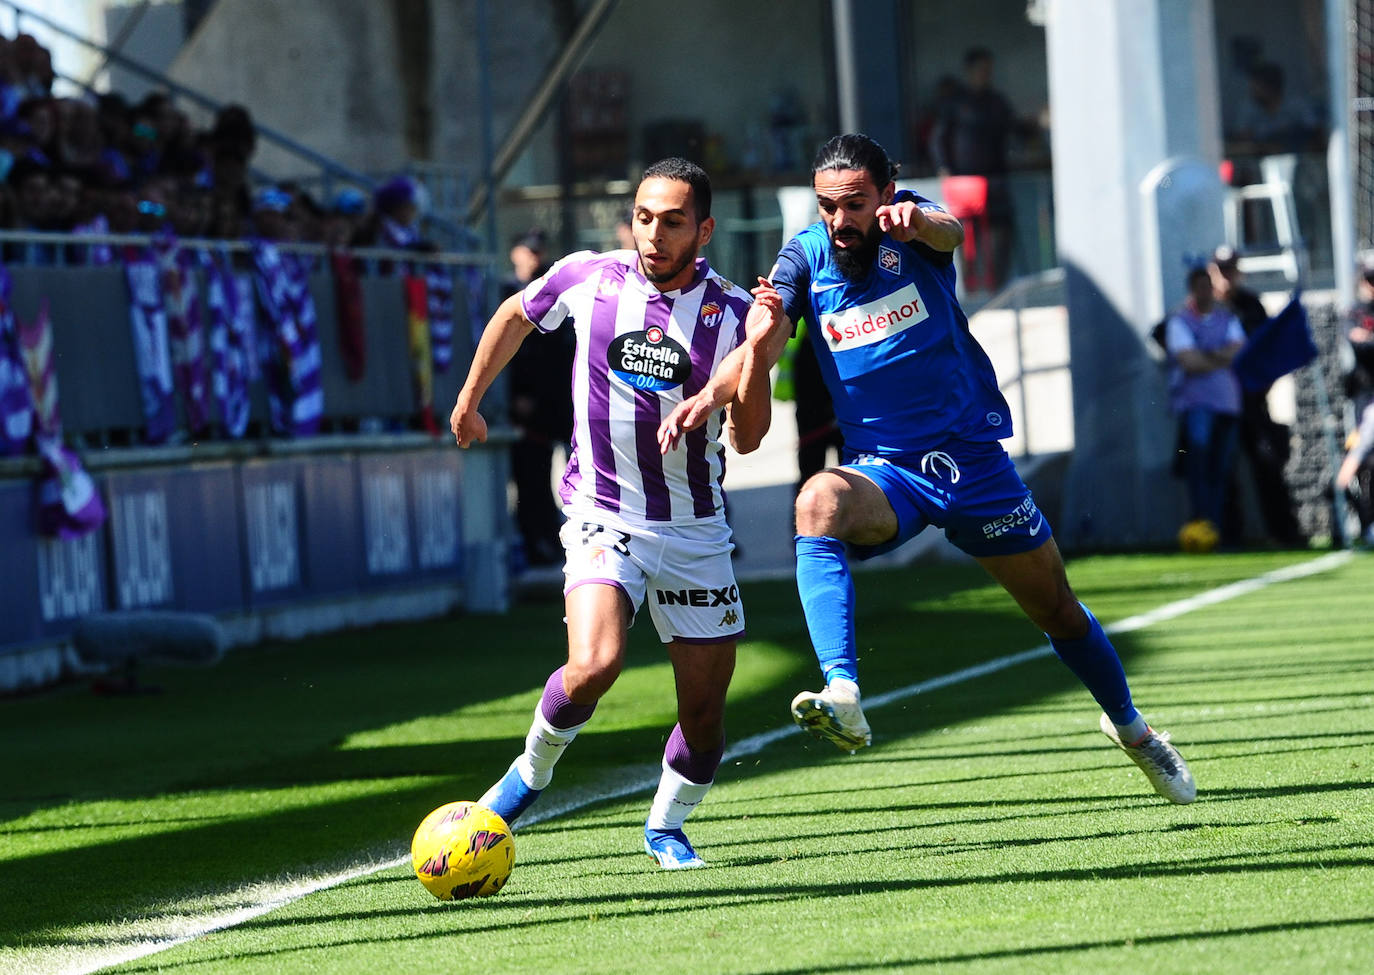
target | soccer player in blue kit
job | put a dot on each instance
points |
(922, 416)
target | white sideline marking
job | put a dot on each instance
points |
(259, 899)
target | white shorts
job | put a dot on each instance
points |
(684, 570)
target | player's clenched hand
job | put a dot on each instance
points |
(687, 415)
(765, 314)
(468, 426)
(905, 221)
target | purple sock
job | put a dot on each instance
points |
(692, 765)
(557, 710)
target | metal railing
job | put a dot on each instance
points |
(57, 249)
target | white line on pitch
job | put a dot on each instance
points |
(260, 899)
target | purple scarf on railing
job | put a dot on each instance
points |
(439, 281)
(295, 391)
(152, 354)
(186, 329)
(69, 505)
(230, 300)
(16, 408)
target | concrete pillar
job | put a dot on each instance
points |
(869, 71)
(1136, 142)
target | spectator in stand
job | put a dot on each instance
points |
(971, 138)
(344, 218)
(38, 121)
(35, 202)
(271, 220)
(1203, 338)
(33, 66)
(1272, 121)
(234, 131)
(34, 196)
(947, 89)
(305, 214)
(396, 220)
(79, 143)
(1265, 442)
(540, 409)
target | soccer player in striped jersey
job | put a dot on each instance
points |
(922, 417)
(652, 325)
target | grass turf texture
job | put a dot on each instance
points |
(990, 828)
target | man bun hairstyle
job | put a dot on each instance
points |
(855, 151)
(685, 171)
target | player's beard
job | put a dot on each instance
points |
(656, 277)
(856, 260)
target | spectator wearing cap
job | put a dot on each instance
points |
(397, 203)
(271, 206)
(1266, 443)
(344, 217)
(540, 409)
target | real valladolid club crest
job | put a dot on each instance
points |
(889, 260)
(711, 314)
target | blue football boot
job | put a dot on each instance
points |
(671, 848)
(509, 797)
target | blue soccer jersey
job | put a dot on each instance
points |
(895, 349)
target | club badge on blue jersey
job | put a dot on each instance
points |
(889, 260)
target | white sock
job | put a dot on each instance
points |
(844, 688)
(675, 800)
(1133, 732)
(543, 748)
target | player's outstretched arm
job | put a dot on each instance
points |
(500, 339)
(766, 341)
(906, 222)
(766, 333)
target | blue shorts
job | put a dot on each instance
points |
(971, 490)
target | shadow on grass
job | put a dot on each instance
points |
(269, 716)
(515, 914)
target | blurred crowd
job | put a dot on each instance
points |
(104, 164)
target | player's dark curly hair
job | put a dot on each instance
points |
(855, 151)
(683, 170)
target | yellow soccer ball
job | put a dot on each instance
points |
(1198, 536)
(462, 850)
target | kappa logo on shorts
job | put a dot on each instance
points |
(729, 619)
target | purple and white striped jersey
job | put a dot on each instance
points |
(640, 352)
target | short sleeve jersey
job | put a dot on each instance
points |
(640, 352)
(895, 350)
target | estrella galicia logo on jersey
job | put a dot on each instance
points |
(712, 314)
(889, 260)
(850, 328)
(649, 359)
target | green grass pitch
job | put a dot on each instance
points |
(990, 828)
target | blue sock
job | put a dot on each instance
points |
(827, 598)
(1093, 660)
